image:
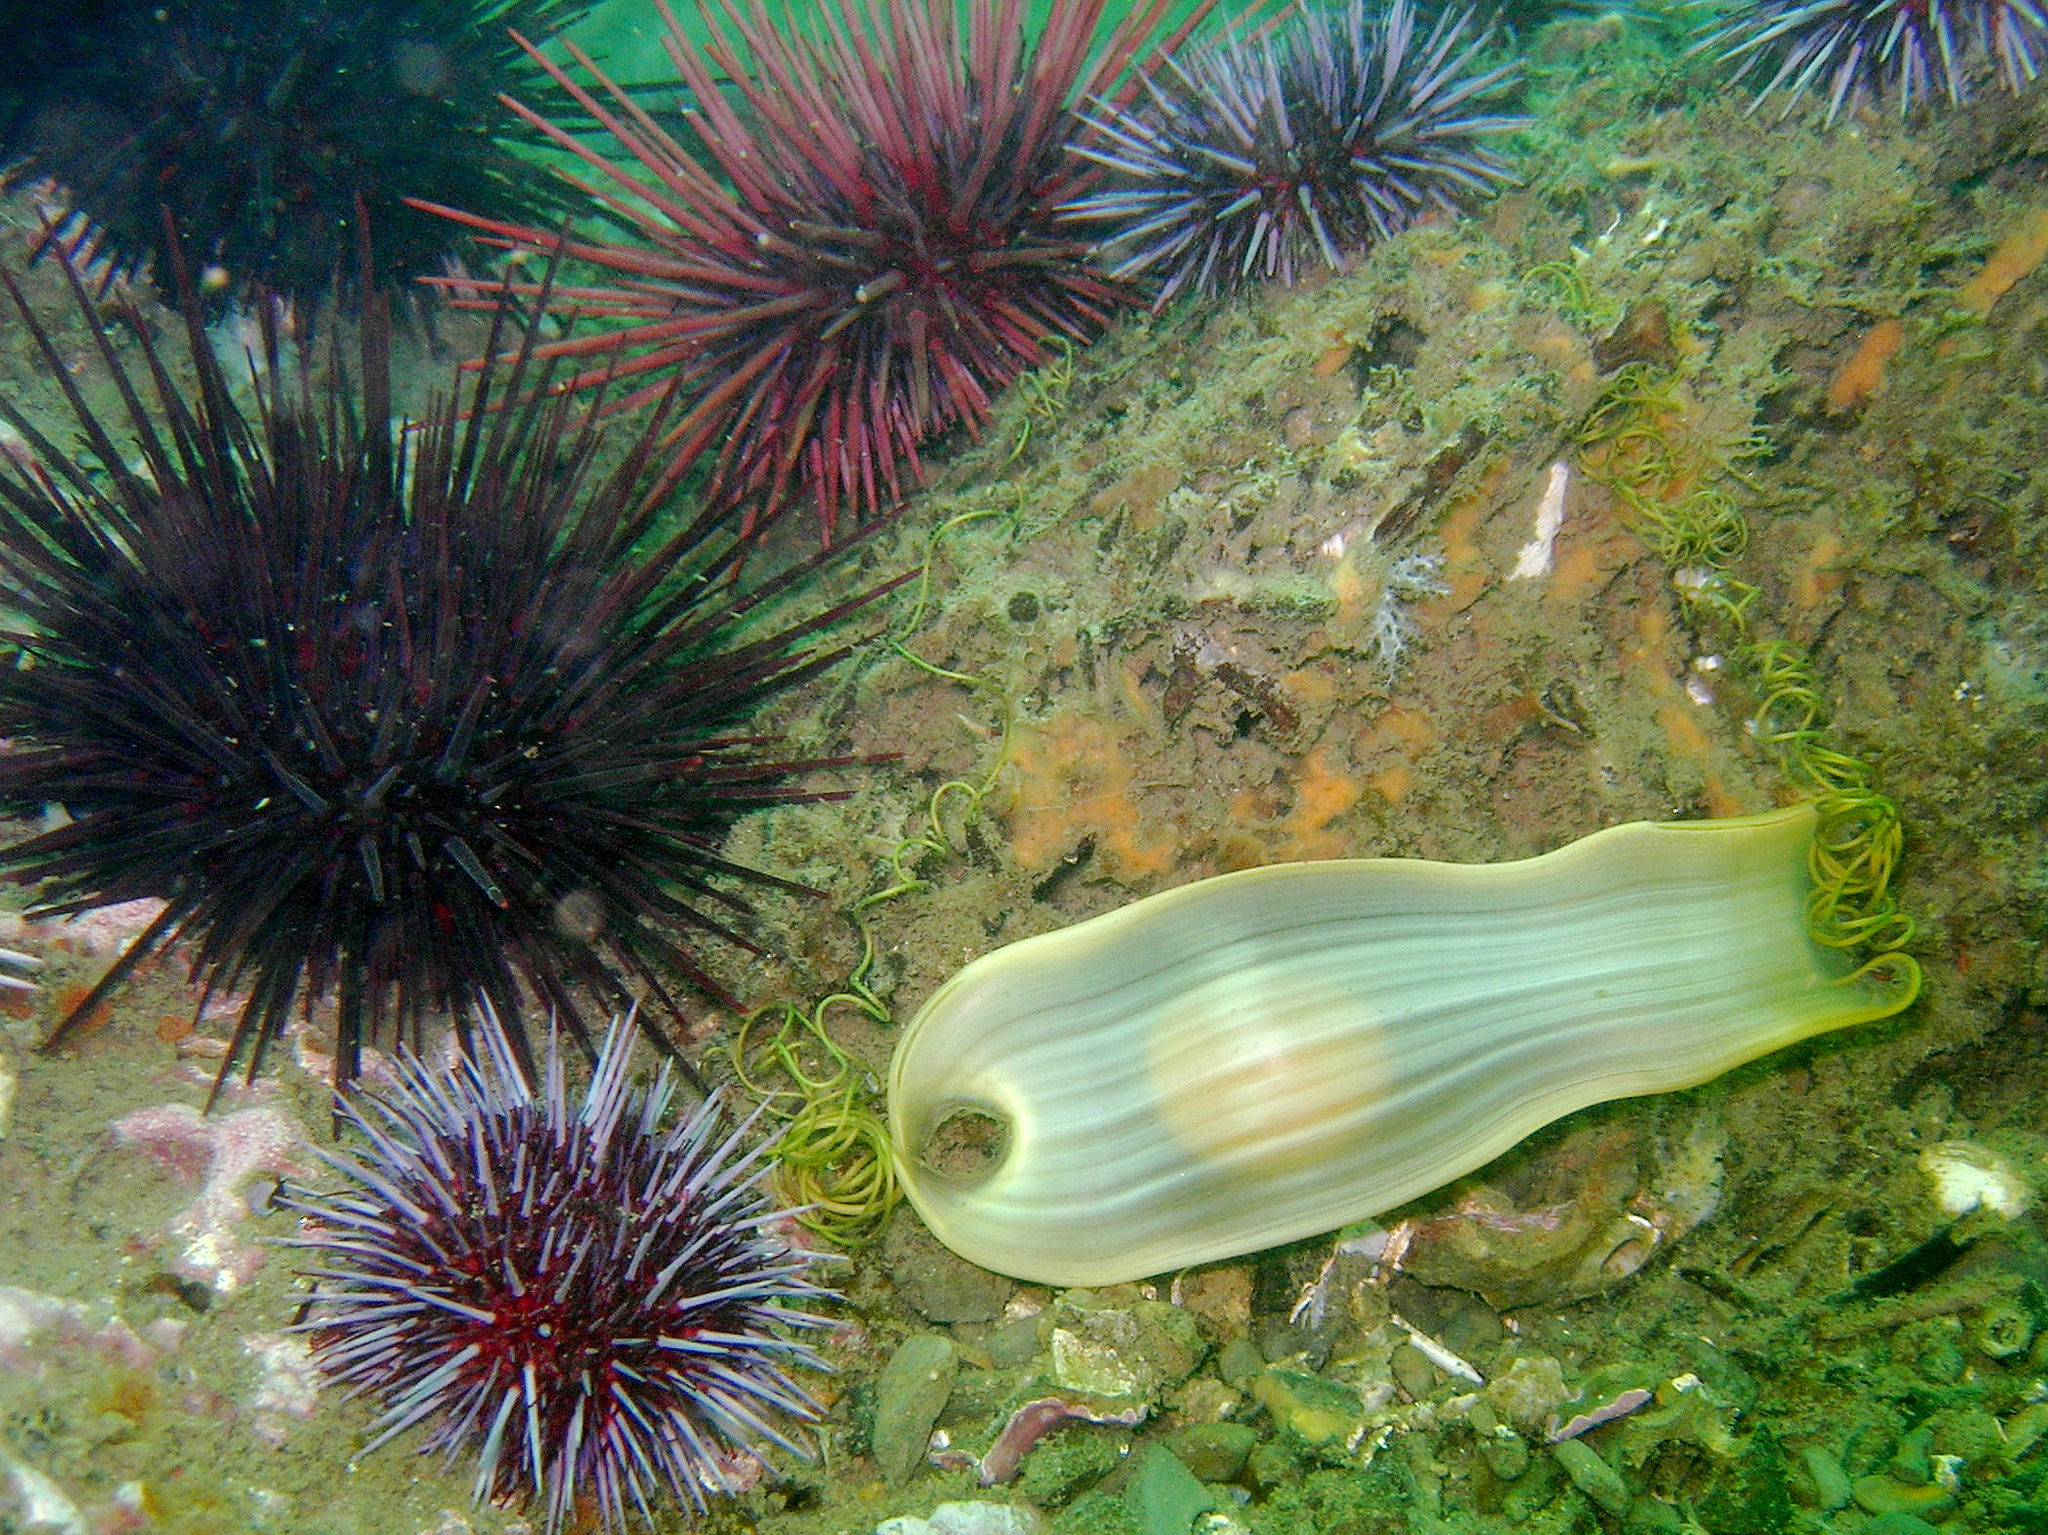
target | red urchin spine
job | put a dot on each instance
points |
(865, 252)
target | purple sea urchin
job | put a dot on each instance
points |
(264, 124)
(1870, 49)
(1266, 155)
(397, 718)
(855, 250)
(589, 1303)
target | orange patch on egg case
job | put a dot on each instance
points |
(1682, 730)
(1392, 784)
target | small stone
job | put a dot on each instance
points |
(1314, 1410)
(1066, 1463)
(941, 1287)
(1214, 1452)
(1205, 1399)
(1899, 1524)
(1413, 1372)
(1220, 1299)
(1239, 1362)
(1829, 1481)
(1593, 1476)
(909, 1396)
(1913, 1459)
(1275, 1463)
(964, 1519)
(1529, 1391)
(1165, 1495)
(1505, 1452)
(1125, 1351)
(1888, 1495)
(1012, 1344)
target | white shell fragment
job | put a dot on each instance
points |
(1968, 1177)
(1262, 1056)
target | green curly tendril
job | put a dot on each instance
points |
(833, 1162)
(1664, 482)
(1860, 835)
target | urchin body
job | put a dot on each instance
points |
(389, 719)
(1293, 148)
(584, 1297)
(267, 127)
(853, 251)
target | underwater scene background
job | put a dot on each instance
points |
(1648, 452)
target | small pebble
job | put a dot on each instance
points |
(1505, 1452)
(1830, 1482)
(1887, 1495)
(1413, 1372)
(909, 1396)
(1593, 1476)
(1215, 1452)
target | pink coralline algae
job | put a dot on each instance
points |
(1033, 1421)
(221, 1154)
(35, 1328)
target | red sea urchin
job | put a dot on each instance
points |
(397, 718)
(1296, 147)
(862, 252)
(590, 1303)
(1853, 50)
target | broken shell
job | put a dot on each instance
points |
(1968, 1177)
(1258, 1057)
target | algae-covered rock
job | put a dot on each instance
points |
(940, 1286)
(1214, 1452)
(1753, 1494)
(909, 1396)
(1096, 1513)
(1593, 1476)
(1133, 1350)
(1314, 1410)
(1063, 1465)
(1164, 1495)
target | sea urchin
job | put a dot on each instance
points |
(1870, 49)
(1295, 147)
(265, 124)
(855, 246)
(397, 718)
(589, 1302)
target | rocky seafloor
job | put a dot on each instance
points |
(1238, 585)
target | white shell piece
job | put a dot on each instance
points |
(1262, 1056)
(1968, 1176)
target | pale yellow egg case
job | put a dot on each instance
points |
(1265, 1055)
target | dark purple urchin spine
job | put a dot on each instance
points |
(1856, 50)
(1295, 147)
(266, 126)
(389, 719)
(592, 1305)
